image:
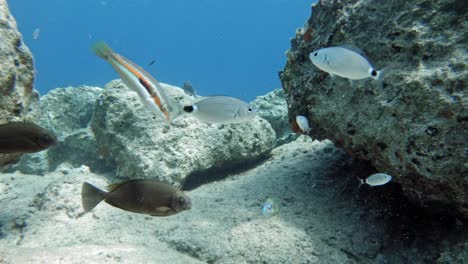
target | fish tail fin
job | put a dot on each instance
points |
(91, 196)
(102, 50)
(380, 76)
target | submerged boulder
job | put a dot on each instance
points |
(272, 107)
(17, 97)
(415, 127)
(140, 144)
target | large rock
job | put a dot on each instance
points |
(415, 128)
(142, 145)
(66, 110)
(272, 107)
(17, 97)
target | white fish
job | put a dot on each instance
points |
(376, 179)
(221, 110)
(303, 124)
(36, 33)
(347, 62)
(150, 91)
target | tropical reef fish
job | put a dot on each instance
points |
(150, 91)
(150, 197)
(221, 110)
(303, 124)
(376, 179)
(270, 208)
(24, 137)
(346, 61)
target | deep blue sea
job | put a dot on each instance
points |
(231, 48)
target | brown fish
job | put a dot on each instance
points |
(150, 197)
(24, 137)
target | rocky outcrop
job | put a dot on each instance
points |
(274, 109)
(17, 97)
(415, 128)
(141, 145)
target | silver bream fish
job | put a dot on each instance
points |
(376, 179)
(303, 124)
(347, 62)
(221, 110)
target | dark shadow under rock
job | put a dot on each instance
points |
(196, 179)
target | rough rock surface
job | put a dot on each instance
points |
(142, 145)
(67, 112)
(415, 128)
(17, 97)
(274, 109)
(324, 218)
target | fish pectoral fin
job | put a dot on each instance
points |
(237, 114)
(163, 211)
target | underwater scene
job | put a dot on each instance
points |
(330, 131)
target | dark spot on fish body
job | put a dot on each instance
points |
(188, 108)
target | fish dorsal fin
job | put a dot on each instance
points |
(113, 186)
(353, 48)
(357, 50)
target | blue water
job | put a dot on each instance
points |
(231, 48)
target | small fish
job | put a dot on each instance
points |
(347, 62)
(188, 89)
(150, 91)
(149, 197)
(221, 110)
(36, 33)
(376, 179)
(24, 137)
(151, 62)
(303, 124)
(270, 208)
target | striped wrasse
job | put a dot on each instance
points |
(148, 89)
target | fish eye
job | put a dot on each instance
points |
(315, 54)
(374, 73)
(250, 109)
(181, 200)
